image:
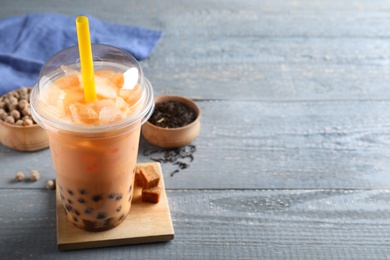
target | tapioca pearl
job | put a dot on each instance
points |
(118, 208)
(69, 208)
(81, 200)
(112, 195)
(75, 219)
(89, 224)
(97, 198)
(82, 191)
(71, 193)
(76, 212)
(119, 197)
(101, 215)
(70, 201)
(108, 222)
(88, 211)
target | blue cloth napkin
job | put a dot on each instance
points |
(27, 41)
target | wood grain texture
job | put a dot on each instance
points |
(230, 224)
(254, 50)
(313, 144)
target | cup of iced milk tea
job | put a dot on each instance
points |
(94, 145)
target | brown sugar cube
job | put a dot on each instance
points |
(149, 177)
(151, 195)
(138, 180)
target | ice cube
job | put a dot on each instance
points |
(74, 113)
(100, 104)
(131, 96)
(115, 78)
(83, 113)
(54, 98)
(109, 115)
(130, 78)
(105, 88)
(121, 104)
(71, 79)
(71, 97)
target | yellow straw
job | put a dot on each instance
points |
(85, 51)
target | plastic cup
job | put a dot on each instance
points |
(95, 163)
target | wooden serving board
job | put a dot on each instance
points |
(146, 223)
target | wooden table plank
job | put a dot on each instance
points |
(339, 144)
(232, 224)
(320, 55)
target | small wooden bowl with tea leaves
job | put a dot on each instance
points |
(175, 122)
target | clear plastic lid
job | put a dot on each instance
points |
(125, 96)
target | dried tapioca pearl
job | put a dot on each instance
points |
(34, 175)
(82, 191)
(75, 219)
(76, 212)
(23, 90)
(26, 111)
(81, 200)
(71, 193)
(15, 114)
(2, 110)
(70, 201)
(19, 176)
(19, 122)
(119, 209)
(23, 96)
(15, 94)
(13, 100)
(12, 107)
(119, 197)
(50, 185)
(27, 122)
(3, 115)
(22, 104)
(9, 120)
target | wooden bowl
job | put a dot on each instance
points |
(173, 137)
(23, 138)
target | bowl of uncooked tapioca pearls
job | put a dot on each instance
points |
(18, 130)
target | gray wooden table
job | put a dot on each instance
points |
(293, 157)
